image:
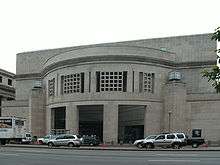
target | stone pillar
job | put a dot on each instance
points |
(146, 124)
(37, 112)
(136, 82)
(72, 118)
(152, 118)
(176, 110)
(93, 82)
(130, 80)
(49, 120)
(110, 123)
(58, 85)
(87, 83)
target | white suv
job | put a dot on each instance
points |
(141, 142)
(174, 140)
(65, 140)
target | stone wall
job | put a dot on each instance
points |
(205, 115)
(18, 109)
(189, 48)
(37, 113)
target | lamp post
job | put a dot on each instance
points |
(169, 120)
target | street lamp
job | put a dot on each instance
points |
(169, 120)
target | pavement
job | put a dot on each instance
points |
(35, 156)
(117, 147)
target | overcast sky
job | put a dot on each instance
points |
(28, 25)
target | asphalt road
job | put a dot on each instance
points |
(36, 156)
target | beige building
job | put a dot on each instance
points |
(119, 91)
(7, 90)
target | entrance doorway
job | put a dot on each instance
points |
(91, 120)
(130, 123)
(58, 120)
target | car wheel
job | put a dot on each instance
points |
(176, 146)
(3, 142)
(50, 145)
(195, 145)
(71, 145)
(149, 146)
(139, 145)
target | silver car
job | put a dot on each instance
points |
(141, 142)
(65, 140)
(174, 140)
(45, 139)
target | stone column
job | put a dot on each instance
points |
(93, 82)
(130, 80)
(146, 118)
(87, 82)
(152, 118)
(110, 123)
(48, 120)
(58, 85)
(136, 82)
(176, 109)
(37, 119)
(72, 118)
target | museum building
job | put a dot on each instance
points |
(119, 91)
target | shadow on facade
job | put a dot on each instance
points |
(91, 120)
(130, 123)
(58, 120)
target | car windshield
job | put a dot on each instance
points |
(28, 135)
(180, 136)
(151, 137)
(79, 136)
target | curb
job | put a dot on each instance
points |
(107, 148)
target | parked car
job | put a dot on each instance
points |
(27, 138)
(90, 140)
(65, 140)
(174, 140)
(45, 139)
(141, 142)
(196, 138)
(195, 142)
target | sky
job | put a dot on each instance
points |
(28, 25)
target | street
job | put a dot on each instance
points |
(36, 156)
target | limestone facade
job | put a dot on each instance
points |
(124, 86)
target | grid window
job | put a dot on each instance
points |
(51, 87)
(146, 82)
(73, 83)
(111, 81)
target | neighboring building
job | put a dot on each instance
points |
(7, 89)
(119, 91)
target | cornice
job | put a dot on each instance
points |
(112, 58)
(28, 76)
(7, 74)
(115, 58)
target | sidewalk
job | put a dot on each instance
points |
(116, 148)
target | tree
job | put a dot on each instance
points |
(213, 75)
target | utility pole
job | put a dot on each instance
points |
(169, 120)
